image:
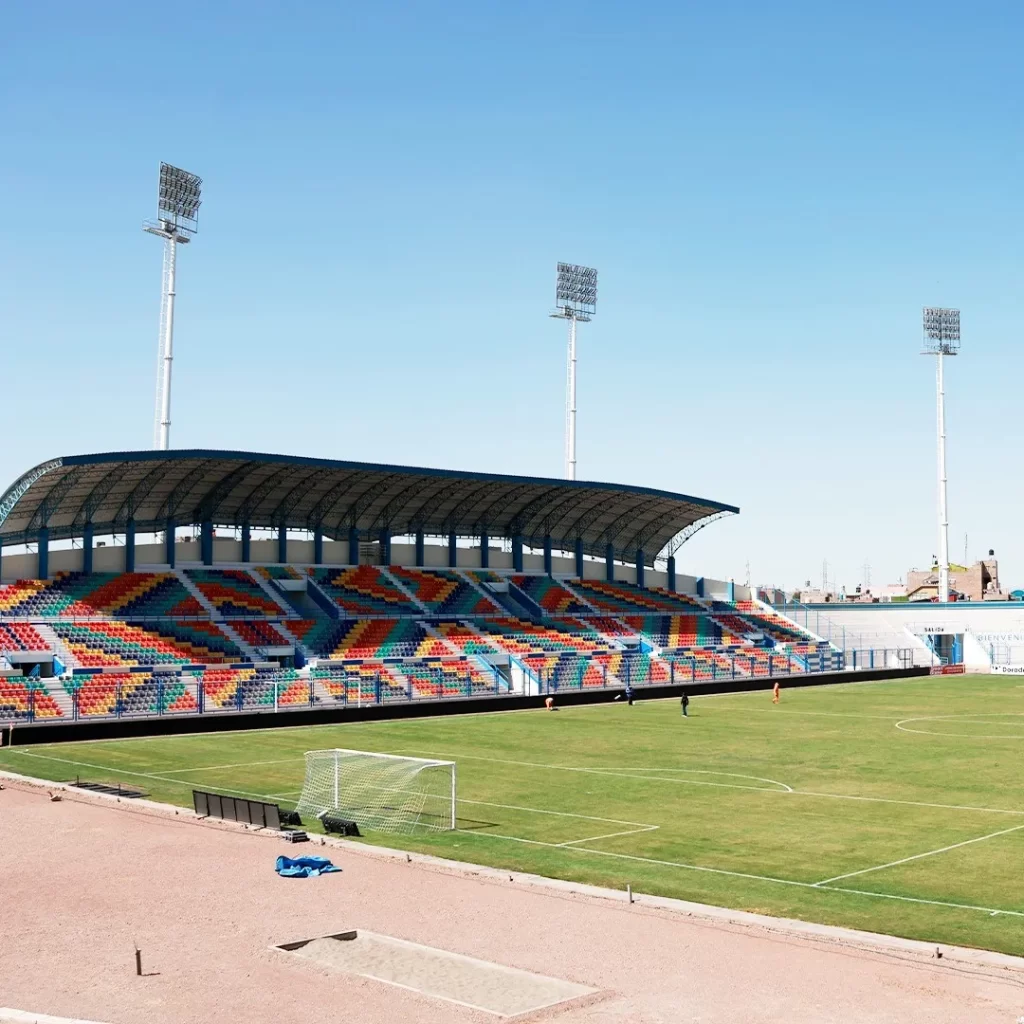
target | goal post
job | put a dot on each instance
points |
(380, 792)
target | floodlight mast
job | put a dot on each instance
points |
(178, 202)
(575, 301)
(941, 338)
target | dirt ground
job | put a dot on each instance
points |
(81, 882)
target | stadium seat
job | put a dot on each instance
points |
(363, 590)
(96, 644)
(445, 592)
(550, 595)
(79, 595)
(625, 597)
(234, 593)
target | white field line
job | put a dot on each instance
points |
(609, 835)
(165, 777)
(695, 771)
(641, 826)
(757, 789)
(905, 803)
(224, 767)
(918, 856)
(619, 774)
(125, 771)
(991, 911)
(969, 718)
(786, 711)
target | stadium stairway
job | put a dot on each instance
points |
(190, 586)
(60, 650)
(272, 592)
(250, 652)
(478, 587)
(400, 586)
(768, 612)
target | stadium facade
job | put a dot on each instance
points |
(371, 584)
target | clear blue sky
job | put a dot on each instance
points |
(770, 192)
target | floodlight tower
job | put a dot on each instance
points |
(575, 300)
(941, 338)
(178, 201)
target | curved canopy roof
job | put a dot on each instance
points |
(234, 488)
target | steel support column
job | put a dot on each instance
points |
(517, 552)
(43, 564)
(87, 549)
(170, 528)
(129, 546)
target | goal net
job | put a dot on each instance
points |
(382, 792)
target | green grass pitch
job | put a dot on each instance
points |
(895, 807)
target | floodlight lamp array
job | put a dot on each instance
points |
(941, 329)
(179, 197)
(576, 289)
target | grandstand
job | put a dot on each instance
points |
(381, 585)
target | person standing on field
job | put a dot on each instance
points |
(684, 703)
(775, 692)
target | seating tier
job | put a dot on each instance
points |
(125, 595)
(21, 636)
(105, 643)
(625, 597)
(672, 631)
(260, 633)
(233, 592)
(445, 592)
(550, 595)
(363, 590)
(22, 699)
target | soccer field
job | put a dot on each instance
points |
(894, 807)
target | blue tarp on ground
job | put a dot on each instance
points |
(304, 867)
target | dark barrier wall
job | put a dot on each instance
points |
(232, 808)
(170, 725)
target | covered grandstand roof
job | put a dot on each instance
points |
(234, 488)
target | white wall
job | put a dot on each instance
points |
(263, 551)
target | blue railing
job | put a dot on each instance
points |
(345, 685)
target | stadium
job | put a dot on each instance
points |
(183, 631)
(302, 735)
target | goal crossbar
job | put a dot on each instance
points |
(381, 792)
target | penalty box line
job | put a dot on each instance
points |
(574, 847)
(820, 887)
(919, 856)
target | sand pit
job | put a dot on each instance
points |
(83, 879)
(465, 980)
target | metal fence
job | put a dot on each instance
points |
(333, 685)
